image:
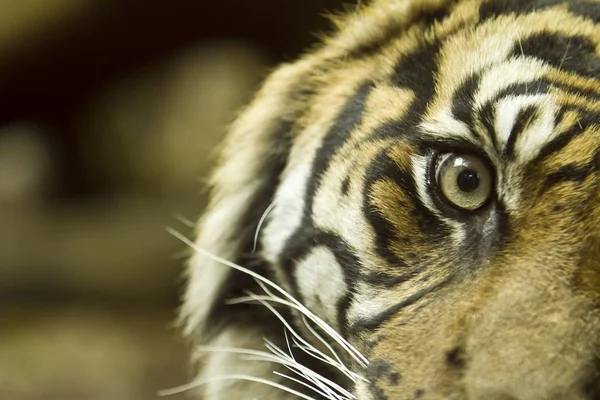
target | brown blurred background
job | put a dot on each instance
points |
(109, 112)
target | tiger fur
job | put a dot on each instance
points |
(339, 168)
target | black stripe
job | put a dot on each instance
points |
(394, 31)
(540, 86)
(463, 100)
(348, 119)
(351, 266)
(382, 168)
(585, 9)
(525, 117)
(570, 173)
(586, 119)
(590, 94)
(385, 280)
(495, 8)
(576, 54)
(346, 185)
(415, 71)
(238, 283)
(376, 321)
(487, 114)
(557, 144)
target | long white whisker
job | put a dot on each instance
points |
(186, 221)
(305, 384)
(237, 377)
(278, 300)
(262, 300)
(289, 327)
(275, 298)
(362, 360)
(351, 375)
(322, 324)
(310, 352)
(319, 381)
(340, 365)
(309, 376)
(257, 355)
(315, 334)
(260, 224)
(287, 342)
(271, 346)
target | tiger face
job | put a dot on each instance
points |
(411, 210)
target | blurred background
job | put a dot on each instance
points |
(109, 114)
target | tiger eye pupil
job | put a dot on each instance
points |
(468, 181)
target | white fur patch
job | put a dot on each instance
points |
(321, 283)
(287, 214)
(539, 133)
(536, 135)
(443, 126)
(206, 276)
(368, 303)
(505, 74)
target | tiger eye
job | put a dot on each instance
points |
(465, 181)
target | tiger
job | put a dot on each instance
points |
(410, 210)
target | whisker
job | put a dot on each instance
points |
(342, 368)
(564, 57)
(287, 342)
(278, 300)
(291, 330)
(313, 350)
(319, 381)
(186, 221)
(320, 378)
(315, 334)
(305, 384)
(362, 360)
(330, 383)
(311, 376)
(322, 324)
(273, 348)
(260, 223)
(310, 352)
(340, 364)
(258, 355)
(236, 377)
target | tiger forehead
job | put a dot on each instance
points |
(478, 70)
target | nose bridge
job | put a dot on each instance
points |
(533, 338)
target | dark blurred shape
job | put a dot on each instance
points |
(110, 113)
(94, 42)
(26, 166)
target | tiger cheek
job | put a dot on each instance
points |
(424, 347)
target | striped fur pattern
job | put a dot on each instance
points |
(407, 296)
